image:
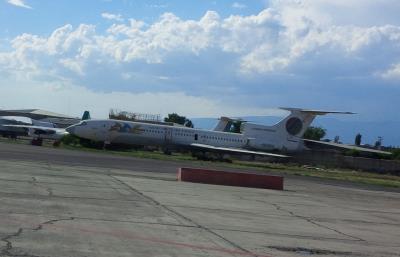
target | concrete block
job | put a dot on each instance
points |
(227, 178)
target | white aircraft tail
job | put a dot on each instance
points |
(223, 125)
(286, 134)
(297, 122)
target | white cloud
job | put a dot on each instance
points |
(111, 16)
(70, 99)
(292, 43)
(393, 73)
(73, 65)
(341, 12)
(19, 3)
(274, 40)
(238, 5)
(158, 5)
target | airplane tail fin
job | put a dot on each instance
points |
(299, 120)
(225, 123)
(86, 115)
(286, 134)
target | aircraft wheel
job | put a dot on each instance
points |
(37, 142)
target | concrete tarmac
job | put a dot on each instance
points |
(67, 203)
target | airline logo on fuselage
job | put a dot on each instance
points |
(126, 128)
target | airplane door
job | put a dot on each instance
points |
(168, 136)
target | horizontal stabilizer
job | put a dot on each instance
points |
(236, 150)
(314, 112)
(231, 118)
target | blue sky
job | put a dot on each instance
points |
(202, 58)
(47, 15)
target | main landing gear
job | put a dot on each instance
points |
(37, 141)
(211, 156)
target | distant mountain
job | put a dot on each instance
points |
(345, 129)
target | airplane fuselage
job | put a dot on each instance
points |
(284, 136)
(139, 133)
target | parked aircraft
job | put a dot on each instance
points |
(38, 133)
(40, 130)
(285, 136)
(38, 115)
(225, 124)
(11, 132)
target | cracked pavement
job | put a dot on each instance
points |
(53, 209)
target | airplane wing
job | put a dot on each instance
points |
(235, 150)
(345, 147)
(37, 129)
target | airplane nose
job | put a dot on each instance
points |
(71, 129)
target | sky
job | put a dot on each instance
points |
(201, 58)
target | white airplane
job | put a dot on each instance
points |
(11, 132)
(38, 133)
(40, 130)
(255, 139)
(46, 118)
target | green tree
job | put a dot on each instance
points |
(396, 153)
(175, 118)
(235, 127)
(70, 140)
(357, 140)
(188, 123)
(314, 133)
